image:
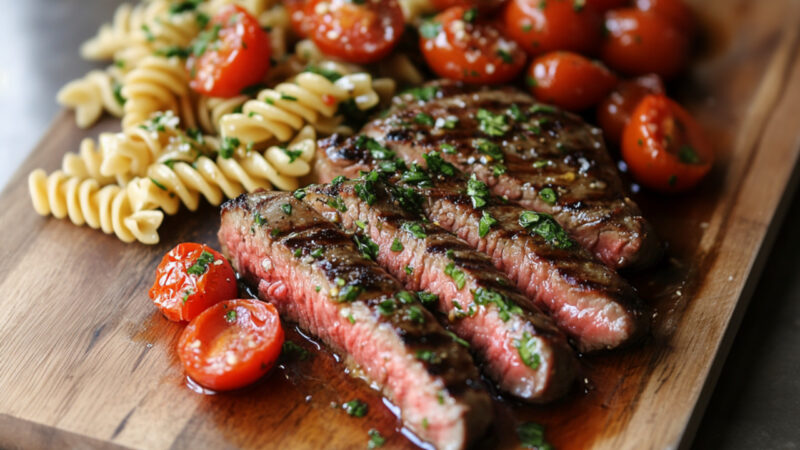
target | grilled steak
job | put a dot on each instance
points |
(542, 158)
(522, 351)
(315, 275)
(586, 299)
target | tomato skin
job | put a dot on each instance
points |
(231, 344)
(640, 43)
(181, 296)
(654, 145)
(554, 26)
(605, 5)
(569, 80)
(676, 11)
(471, 51)
(237, 58)
(358, 33)
(482, 5)
(615, 110)
(300, 24)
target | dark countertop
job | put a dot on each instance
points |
(756, 403)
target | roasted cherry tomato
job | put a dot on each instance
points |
(569, 80)
(664, 147)
(641, 43)
(358, 32)
(301, 25)
(615, 110)
(231, 54)
(542, 26)
(605, 5)
(481, 5)
(460, 46)
(231, 344)
(676, 11)
(189, 279)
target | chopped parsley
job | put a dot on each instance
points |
(299, 194)
(498, 169)
(478, 192)
(116, 87)
(688, 155)
(540, 108)
(526, 347)
(545, 226)
(438, 165)
(355, 408)
(205, 38)
(186, 295)
(489, 148)
(375, 439)
(185, 6)
(377, 150)
(230, 316)
(516, 113)
(349, 293)
(470, 15)
(405, 297)
(427, 298)
(337, 204)
(415, 229)
(317, 252)
(491, 123)
(424, 119)
(294, 351)
(428, 356)
(505, 56)
(397, 246)
(414, 314)
(505, 307)
(288, 97)
(387, 307)
(338, 180)
(448, 148)
(331, 75)
(416, 175)
(257, 219)
(429, 29)
(458, 340)
(291, 154)
(486, 222)
(158, 185)
(287, 209)
(531, 435)
(366, 189)
(199, 267)
(457, 275)
(367, 247)
(229, 145)
(548, 195)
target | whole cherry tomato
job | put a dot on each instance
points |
(189, 279)
(231, 344)
(460, 46)
(569, 80)
(615, 110)
(664, 147)
(640, 43)
(231, 54)
(356, 31)
(676, 11)
(542, 26)
(605, 5)
(481, 5)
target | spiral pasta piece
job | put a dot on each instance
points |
(115, 36)
(157, 84)
(83, 201)
(86, 163)
(90, 96)
(210, 110)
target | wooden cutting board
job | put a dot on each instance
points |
(86, 361)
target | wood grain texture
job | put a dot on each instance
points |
(87, 361)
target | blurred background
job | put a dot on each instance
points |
(756, 403)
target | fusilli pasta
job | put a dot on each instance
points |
(157, 84)
(89, 96)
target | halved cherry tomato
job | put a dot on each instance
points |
(664, 147)
(231, 54)
(605, 5)
(231, 344)
(569, 80)
(641, 43)
(301, 25)
(542, 26)
(481, 5)
(189, 279)
(676, 11)
(615, 110)
(356, 31)
(460, 46)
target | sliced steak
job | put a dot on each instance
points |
(588, 300)
(533, 154)
(521, 350)
(315, 275)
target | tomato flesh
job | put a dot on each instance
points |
(615, 110)
(569, 80)
(663, 146)
(458, 45)
(231, 344)
(550, 25)
(231, 54)
(360, 33)
(190, 278)
(605, 5)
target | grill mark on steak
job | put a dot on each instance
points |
(302, 264)
(548, 149)
(586, 299)
(493, 337)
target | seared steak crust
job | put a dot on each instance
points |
(522, 351)
(315, 276)
(540, 147)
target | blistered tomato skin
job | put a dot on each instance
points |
(615, 110)
(189, 279)
(545, 26)
(469, 50)
(569, 80)
(360, 33)
(231, 344)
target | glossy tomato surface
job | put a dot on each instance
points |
(615, 110)
(480, 5)
(550, 25)
(676, 11)
(569, 80)
(231, 344)
(663, 146)
(189, 279)
(357, 32)
(459, 45)
(605, 5)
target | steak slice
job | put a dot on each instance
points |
(315, 275)
(522, 351)
(533, 154)
(588, 300)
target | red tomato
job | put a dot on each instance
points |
(231, 344)
(569, 80)
(641, 43)
(358, 32)
(230, 55)
(482, 5)
(675, 11)
(605, 5)
(458, 45)
(614, 112)
(301, 25)
(664, 147)
(542, 26)
(189, 279)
